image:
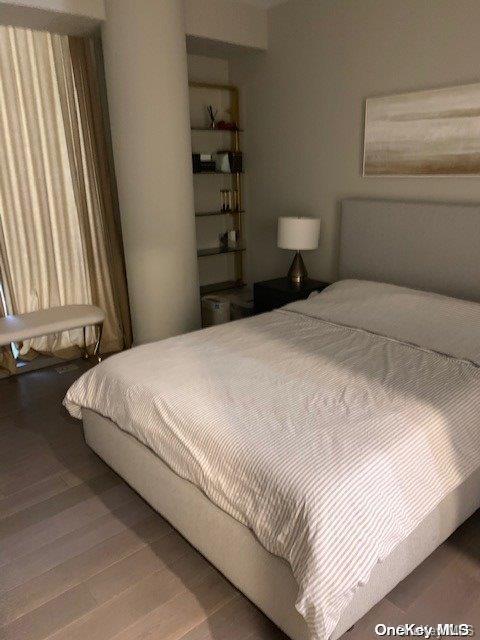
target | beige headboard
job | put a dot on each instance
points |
(424, 245)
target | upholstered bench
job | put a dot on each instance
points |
(54, 320)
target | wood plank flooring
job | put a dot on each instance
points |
(83, 557)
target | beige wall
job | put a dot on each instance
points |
(146, 73)
(207, 69)
(61, 16)
(305, 101)
(91, 8)
(232, 21)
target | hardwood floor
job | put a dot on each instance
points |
(83, 557)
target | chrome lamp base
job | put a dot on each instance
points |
(297, 273)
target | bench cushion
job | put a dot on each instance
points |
(45, 321)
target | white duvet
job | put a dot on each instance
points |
(331, 427)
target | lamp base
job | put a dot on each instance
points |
(297, 273)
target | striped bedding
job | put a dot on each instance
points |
(331, 427)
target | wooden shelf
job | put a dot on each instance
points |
(214, 251)
(216, 86)
(216, 130)
(218, 173)
(221, 286)
(203, 214)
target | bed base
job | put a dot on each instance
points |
(265, 579)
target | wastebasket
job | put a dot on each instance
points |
(215, 310)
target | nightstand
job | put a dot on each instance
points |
(271, 294)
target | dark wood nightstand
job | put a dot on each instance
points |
(271, 294)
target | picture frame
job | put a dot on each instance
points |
(428, 133)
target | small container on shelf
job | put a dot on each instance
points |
(203, 162)
(236, 161)
(223, 238)
(228, 161)
(233, 238)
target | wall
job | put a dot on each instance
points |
(207, 69)
(91, 8)
(73, 17)
(146, 75)
(231, 21)
(305, 102)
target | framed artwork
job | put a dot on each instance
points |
(425, 133)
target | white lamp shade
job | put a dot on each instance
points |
(298, 233)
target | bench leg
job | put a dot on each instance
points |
(96, 351)
(85, 350)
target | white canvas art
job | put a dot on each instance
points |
(434, 132)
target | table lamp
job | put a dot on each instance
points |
(298, 234)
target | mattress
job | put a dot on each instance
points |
(265, 579)
(331, 428)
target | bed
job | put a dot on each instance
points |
(335, 361)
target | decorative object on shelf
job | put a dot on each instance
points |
(228, 161)
(300, 233)
(222, 162)
(224, 239)
(227, 126)
(230, 239)
(424, 133)
(225, 200)
(229, 200)
(203, 162)
(212, 114)
(233, 238)
(236, 161)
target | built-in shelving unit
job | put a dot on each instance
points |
(233, 217)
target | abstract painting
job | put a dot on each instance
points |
(429, 133)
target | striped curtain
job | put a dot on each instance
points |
(59, 231)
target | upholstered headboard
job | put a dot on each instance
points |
(430, 246)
